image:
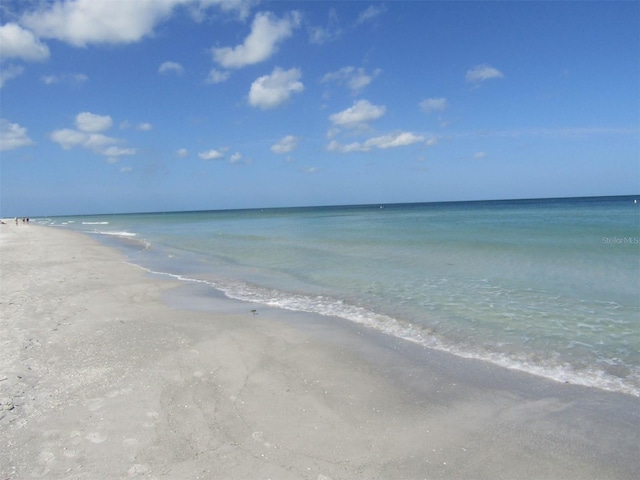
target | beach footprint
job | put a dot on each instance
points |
(46, 459)
(95, 404)
(138, 469)
(152, 418)
(96, 437)
(259, 437)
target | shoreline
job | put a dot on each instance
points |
(108, 372)
(562, 373)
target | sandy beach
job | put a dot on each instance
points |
(109, 372)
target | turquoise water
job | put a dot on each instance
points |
(551, 287)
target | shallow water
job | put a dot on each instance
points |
(551, 287)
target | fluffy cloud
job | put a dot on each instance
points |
(86, 135)
(358, 115)
(285, 145)
(267, 31)
(391, 140)
(211, 155)
(182, 153)
(354, 78)
(20, 43)
(273, 90)
(83, 22)
(90, 122)
(481, 73)
(433, 105)
(68, 138)
(170, 67)
(13, 136)
(145, 126)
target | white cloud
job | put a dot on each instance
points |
(391, 140)
(354, 78)
(238, 159)
(211, 155)
(481, 73)
(479, 155)
(20, 43)
(432, 141)
(68, 78)
(83, 22)
(267, 31)
(285, 145)
(9, 72)
(433, 105)
(145, 126)
(126, 169)
(358, 115)
(218, 76)
(273, 90)
(113, 154)
(370, 13)
(87, 136)
(182, 153)
(97, 142)
(171, 67)
(68, 138)
(90, 122)
(118, 152)
(13, 136)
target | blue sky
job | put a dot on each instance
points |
(112, 106)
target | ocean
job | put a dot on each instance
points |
(549, 286)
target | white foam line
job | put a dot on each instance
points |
(117, 234)
(559, 373)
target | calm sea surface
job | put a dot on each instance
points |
(551, 287)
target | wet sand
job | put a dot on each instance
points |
(109, 372)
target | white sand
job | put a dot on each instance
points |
(104, 374)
